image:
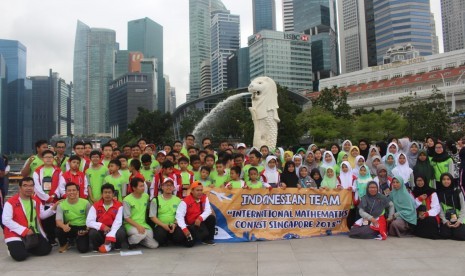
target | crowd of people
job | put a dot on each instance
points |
(120, 197)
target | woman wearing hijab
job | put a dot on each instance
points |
(328, 161)
(383, 180)
(423, 168)
(412, 154)
(316, 176)
(406, 214)
(353, 153)
(430, 142)
(270, 174)
(346, 145)
(382, 147)
(441, 161)
(393, 149)
(371, 209)
(312, 148)
(288, 176)
(404, 145)
(279, 152)
(305, 181)
(363, 178)
(375, 161)
(363, 145)
(297, 159)
(359, 162)
(390, 163)
(342, 156)
(288, 156)
(329, 179)
(452, 208)
(346, 180)
(403, 170)
(310, 160)
(428, 209)
(335, 149)
(372, 152)
(301, 151)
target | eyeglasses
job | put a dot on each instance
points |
(27, 186)
(60, 147)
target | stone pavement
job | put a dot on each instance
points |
(337, 255)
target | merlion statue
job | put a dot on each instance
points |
(264, 111)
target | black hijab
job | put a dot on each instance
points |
(450, 195)
(430, 150)
(382, 147)
(312, 174)
(338, 150)
(426, 189)
(290, 178)
(366, 151)
(438, 158)
(423, 168)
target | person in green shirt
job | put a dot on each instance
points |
(187, 177)
(71, 220)
(196, 164)
(134, 213)
(116, 179)
(235, 182)
(219, 177)
(35, 161)
(254, 182)
(254, 159)
(107, 151)
(95, 175)
(441, 161)
(124, 170)
(147, 169)
(163, 212)
(61, 158)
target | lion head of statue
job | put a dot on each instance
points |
(264, 93)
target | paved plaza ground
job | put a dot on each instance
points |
(336, 255)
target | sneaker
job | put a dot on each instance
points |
(104, 248)
(329, 232)
(64, 248)
(53, 243)
(209, 242)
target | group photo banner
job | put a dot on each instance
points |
(260, 214)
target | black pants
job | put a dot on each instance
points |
(19, 252)
(82, 242)
(453, 233)
(162, 236)
(49, 226)
(204, 232)
(427, 228)
(97, 238)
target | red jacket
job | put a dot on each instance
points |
(107, 217)
(55, 181)
(78, 178)
(132, 176)
(158, 180)
(194, 209)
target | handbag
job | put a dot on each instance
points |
(31, 241)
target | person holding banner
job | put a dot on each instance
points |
(372, 208)
(194, 218)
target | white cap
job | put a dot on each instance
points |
(241, 145)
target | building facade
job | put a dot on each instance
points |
(205, 78)
(225, 40)
(264, 15)
(453, 26)
(381, 86)
(285, 57)
(403, 22)
(288, 15)
(317, 18)
(239, 69)
(94, 50)
(127, 94)
(146, 36)
(172, 99)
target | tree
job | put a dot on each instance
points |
(322, 125)
(426, 117)
(289, 132)
(155, 126)
(375, 127)
(189, 122)
(335, 101)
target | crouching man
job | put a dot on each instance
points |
(194, 218)
(22, 215)
(105, 222)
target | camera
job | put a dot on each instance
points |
(451, 216)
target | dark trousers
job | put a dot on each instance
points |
(19, 252)
(49, 226)
(453, 233)
(97, 238)
(162, 236)
(82, 242)
(204, 232)
(427, 228)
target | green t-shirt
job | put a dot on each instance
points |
(136, 209)
(247, 168)
(219, 180)
(148, 174)
(197, 175)
(166, 211)
(35, 164)
(75, 214)
(236, 184)
(106, 163)
(205, 182)
(63, 164)
(257, 185)
(27, 209)
(117, 182)
(95, 179)
(126, 174)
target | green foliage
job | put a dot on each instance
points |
(426, 117)
(288, 130)
(322, 125)
(154, 126)
(376, 126)
(190, 121)
(334, 101)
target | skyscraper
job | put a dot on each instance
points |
(172, 99)
(93, 70)
(3, 103)
(199, 39)
(317, 18)
(15, 55)
(146, 36)
(353, 35)
(415, 16)
(453, 26)
(264, 15)
(288, 15)
(225, 40)
(434, 35)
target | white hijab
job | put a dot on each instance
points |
(346, 179)
(328, 164)
(403, 170)
(293, 160)
(346, 141)
(357, 167)
(271, 174)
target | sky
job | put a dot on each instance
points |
(47, 28)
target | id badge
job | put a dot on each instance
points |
(365, 222)
(47, 184)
